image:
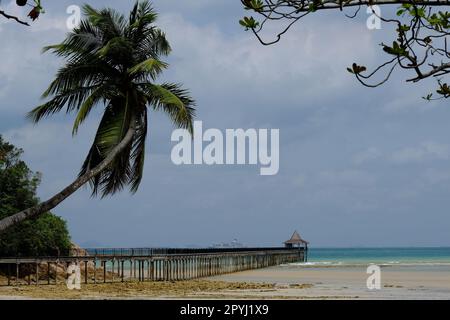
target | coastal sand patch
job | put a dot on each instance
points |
(271, 283)
(350, 283)
(134, 290)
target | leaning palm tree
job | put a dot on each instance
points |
(113, 62)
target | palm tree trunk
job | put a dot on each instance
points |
(72, 188)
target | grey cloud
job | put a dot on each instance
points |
(425, 151)
(369, 154)
(345, 149)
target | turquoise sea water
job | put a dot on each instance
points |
(421, 258)
(380, 256)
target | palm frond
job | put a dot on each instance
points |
(111, 131)
(98, 95)
(138, 153)
(111, 23)
(173, 100)
(75, 75)
(83, 39)
(152, 43)
(142, 15)
(114, 61)
(71, 99)
(151, 66)
(118, 50)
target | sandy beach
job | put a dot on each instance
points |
(284, 282)
(397, 282)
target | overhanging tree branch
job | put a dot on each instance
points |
(7, 16)
(422, 29)
(35, 12)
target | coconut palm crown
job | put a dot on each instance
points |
(113, 62)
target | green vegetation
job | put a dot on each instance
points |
(46, 235)
(420, 46)
(113, 62)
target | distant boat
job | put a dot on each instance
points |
(233, 244)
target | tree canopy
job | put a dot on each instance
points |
(113, 62)
(420, 46)
(46, 235)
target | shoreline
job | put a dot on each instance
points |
(282, 282)
(397, 282)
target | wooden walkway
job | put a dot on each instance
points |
(144, 264)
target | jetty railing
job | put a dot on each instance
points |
(103, 265)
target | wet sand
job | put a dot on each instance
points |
(285, 282)
(402, 282)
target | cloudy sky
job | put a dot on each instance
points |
(358, 166)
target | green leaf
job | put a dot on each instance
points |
(395, 50)
(249, 23)
(167, 97)
(315, 5)
(256, 5)
(356, 69)
(444, 90)
(151, 66)
(86, 108)
(428, 97)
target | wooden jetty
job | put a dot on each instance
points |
(146, 264)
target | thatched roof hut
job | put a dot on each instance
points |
(296, 241)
